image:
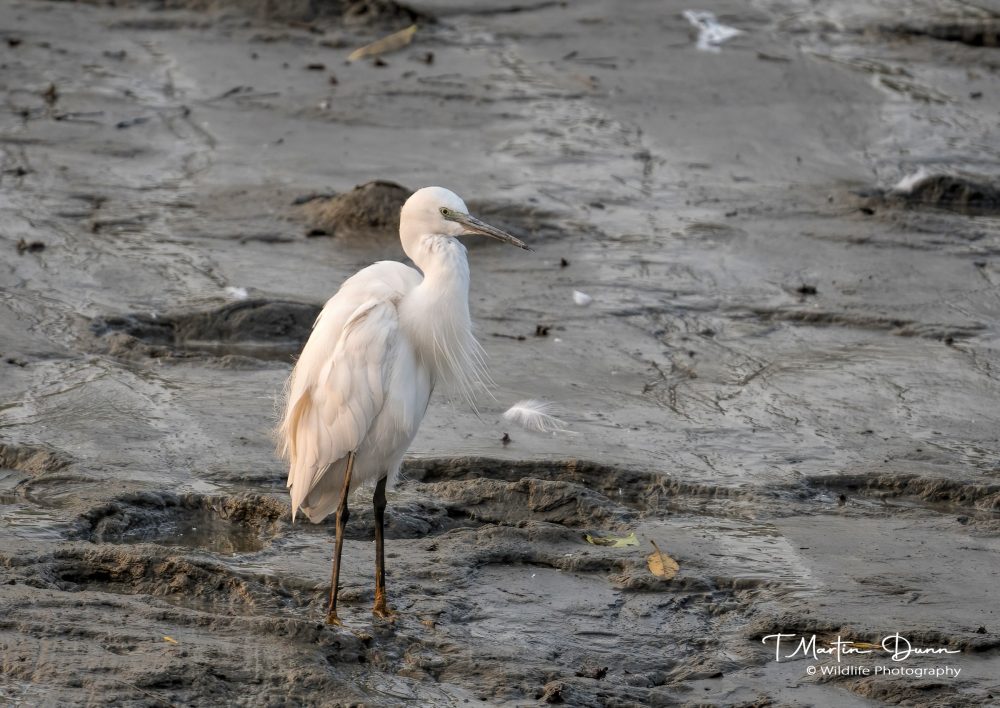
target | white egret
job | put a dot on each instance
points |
(362, 384)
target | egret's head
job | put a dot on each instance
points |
(436, 211)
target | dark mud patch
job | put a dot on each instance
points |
(218, 524)
(371, 12)
(247, 330)
(370, 210)
(970, 195)
(974, 32)
(374, 13)
(31, 459)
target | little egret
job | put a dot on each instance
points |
(362, 384)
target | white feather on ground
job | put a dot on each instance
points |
(906, 184)
(534, 415)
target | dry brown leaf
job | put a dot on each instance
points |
(396, 40)
(660, 564)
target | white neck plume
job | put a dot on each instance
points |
(436, 315)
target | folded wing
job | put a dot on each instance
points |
(344, 390)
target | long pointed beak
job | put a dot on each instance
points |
(476, 226)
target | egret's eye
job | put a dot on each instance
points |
(445, 211)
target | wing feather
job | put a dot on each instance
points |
(332, 415)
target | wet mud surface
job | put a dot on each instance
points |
(785, 376)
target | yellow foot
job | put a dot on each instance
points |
(332, 618)
(382, 611)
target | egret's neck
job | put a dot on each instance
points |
(439, 306)
(445, 266)
(436, 313)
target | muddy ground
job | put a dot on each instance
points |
(787, 377)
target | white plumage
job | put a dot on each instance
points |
(362, 384)
(358, 386)
(364, 379)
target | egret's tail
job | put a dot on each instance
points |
(323, 498)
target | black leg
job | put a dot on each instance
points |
(381, 608)
(342, 516)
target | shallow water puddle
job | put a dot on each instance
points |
(27, 521)
(24, 519)
(198, 529)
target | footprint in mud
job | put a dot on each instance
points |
(218, 524)
(241, 332)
